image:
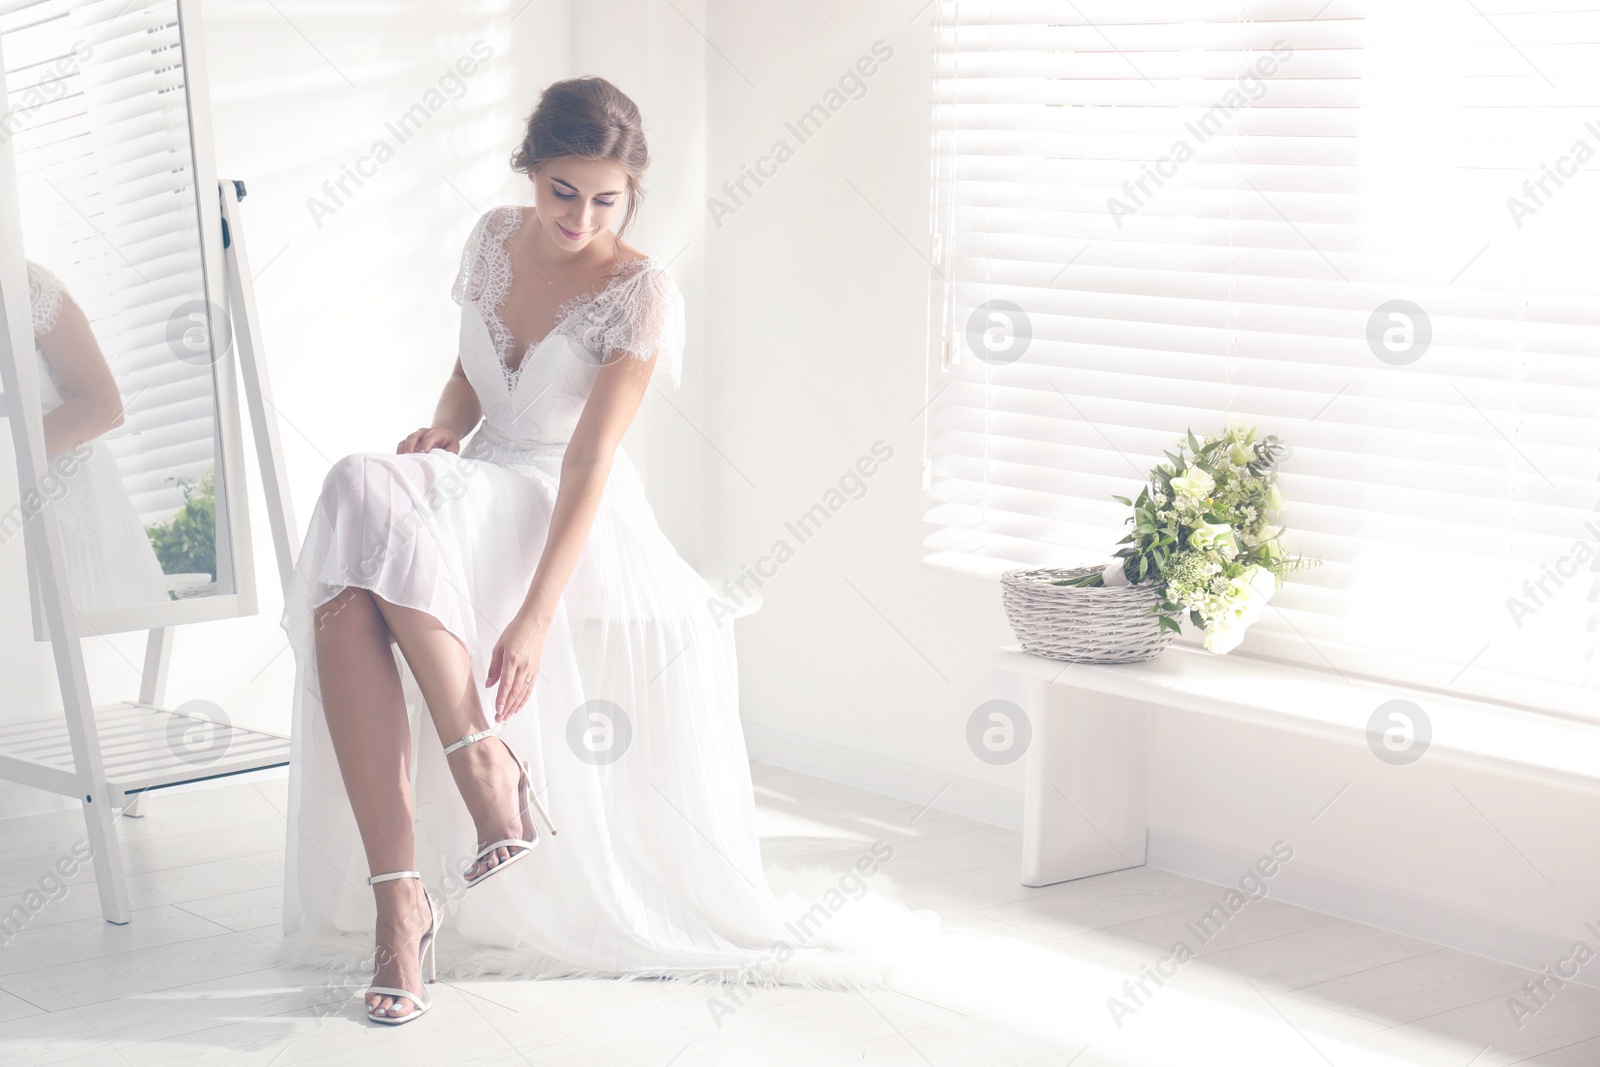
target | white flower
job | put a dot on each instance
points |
(1272, 542)
(1114, 574)
(1224, 639)
(1240, 603)
(1274, 498)
(1261, 583)
(1196, 484)
(1214, 536)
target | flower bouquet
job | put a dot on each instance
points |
(1202, 536)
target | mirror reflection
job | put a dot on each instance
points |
(111, 561)
(123, 328)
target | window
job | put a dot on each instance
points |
(1368, 228)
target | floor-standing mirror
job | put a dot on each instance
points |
(117, 211)
(120, 375)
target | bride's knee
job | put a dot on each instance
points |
(350, 472)
(357, 474)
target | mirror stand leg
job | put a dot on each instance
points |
(157, 658)
(134, 808)
(108, 874)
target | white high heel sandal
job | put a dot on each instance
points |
(525, 797)
(425, 951)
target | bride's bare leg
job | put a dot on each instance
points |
(485, 774)
(366, 718)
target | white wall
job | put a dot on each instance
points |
(819, 286)
(864, 665)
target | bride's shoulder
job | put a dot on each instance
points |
(627, 253)
(632, 263)
(494, 224)
(498, 219)
(641, 312)
(481, 269)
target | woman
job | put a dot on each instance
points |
(534, 601)
(109, 559)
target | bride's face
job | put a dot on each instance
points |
(578, 198)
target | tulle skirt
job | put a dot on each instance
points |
(632, 734)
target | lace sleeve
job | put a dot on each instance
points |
(460, 290)
(473, 279)
(44, 297)
(647, 319)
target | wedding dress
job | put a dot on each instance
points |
(109, 559)
(632, 730)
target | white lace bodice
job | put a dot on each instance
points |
(535, 406)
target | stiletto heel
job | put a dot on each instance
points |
(425, 948)
(540, 807)
(525, 797)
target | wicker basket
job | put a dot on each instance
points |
(1101, 624)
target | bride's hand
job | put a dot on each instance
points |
(428, 438)
(515, 663)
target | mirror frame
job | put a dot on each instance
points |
(19, 377)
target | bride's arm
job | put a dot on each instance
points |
(586, 463)
(93, 404)
(456, 416)
(618, 389)
(458, 410)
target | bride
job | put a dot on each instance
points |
(516, 592)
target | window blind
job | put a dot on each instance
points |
(99, 124)
(1368, 228)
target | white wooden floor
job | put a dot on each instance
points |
(1017, 976)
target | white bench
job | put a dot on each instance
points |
(1086, 783)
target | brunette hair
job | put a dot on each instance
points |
(591, 118)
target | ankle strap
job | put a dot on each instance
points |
(470, 738)
(371, 879)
